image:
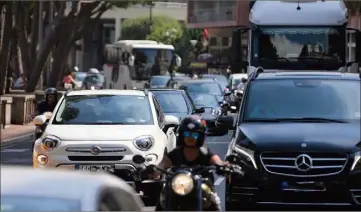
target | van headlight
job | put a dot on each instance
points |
(182, 184)
(246, 155)
(50, 142)
(356, 165)
(144, 143)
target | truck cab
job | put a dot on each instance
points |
(304, 35)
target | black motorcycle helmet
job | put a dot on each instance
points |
(51, 91)
(192, 123)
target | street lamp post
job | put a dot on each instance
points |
(150, 17)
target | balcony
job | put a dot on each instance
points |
(217, 14)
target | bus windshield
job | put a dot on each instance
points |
(149, 62)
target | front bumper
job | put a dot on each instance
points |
(263, 189)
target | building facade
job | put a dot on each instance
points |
(90, 51)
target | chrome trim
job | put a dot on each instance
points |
(307, 204)
(116, 166)
(88, 149)
(294, 167)
(304, 190)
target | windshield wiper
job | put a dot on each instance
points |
(303, 119)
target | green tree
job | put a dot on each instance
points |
(164, 29)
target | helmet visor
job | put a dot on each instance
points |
(194, 135)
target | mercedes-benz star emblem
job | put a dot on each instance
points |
(303, 162)
(95, 150)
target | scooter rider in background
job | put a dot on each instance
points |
(192, 152)
(48, 105)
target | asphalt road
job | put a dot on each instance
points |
(21, 154)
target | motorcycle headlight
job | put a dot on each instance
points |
(182, 184)
(357, 162)
(246, 155)
(144, 143)
(50, 142)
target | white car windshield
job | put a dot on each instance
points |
(104, 109)
(304, 98)
(24, 203)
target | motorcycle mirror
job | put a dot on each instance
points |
(138, 159)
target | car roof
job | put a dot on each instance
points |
(54, 183)
(106, 92)
(157, 90)
(197, 81)
(239, 75)
(161, 76)
(308, 74)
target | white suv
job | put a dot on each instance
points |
(102, 130)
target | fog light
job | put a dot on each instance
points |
(42, 159)
(151, 159)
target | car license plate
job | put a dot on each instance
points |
(95, 168)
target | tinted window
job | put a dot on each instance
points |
(23, 203)
(210, 88)
(104, 109)
(332, 99)
(159, 81)
(204, 100)
(171, 102)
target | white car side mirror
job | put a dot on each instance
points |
(131, 60)
(39, 120)
(171, 120)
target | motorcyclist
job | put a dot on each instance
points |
(48, 105)
(192, 152)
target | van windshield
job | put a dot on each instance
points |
(301, 98)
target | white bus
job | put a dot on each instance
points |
(131, 63)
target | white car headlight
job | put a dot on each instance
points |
(182, 184)
(50, 142)
(356, 165)
(144, 143)
(216, 112)
(247, 153)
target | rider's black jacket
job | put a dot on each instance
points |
(205, 154)
(43, 107)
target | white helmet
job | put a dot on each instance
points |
(93, 71)
(76, 69)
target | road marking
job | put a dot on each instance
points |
(15, 150)
(218, 181)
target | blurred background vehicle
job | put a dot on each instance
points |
(175, 81)
(235, 79)
(79, 77)
(158, 81)
(64, 190)
(95, 80)
(212, 109)
(208, 86)
(221, 79)
(176, 102)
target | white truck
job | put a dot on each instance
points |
(131, 63)
(303, 35)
